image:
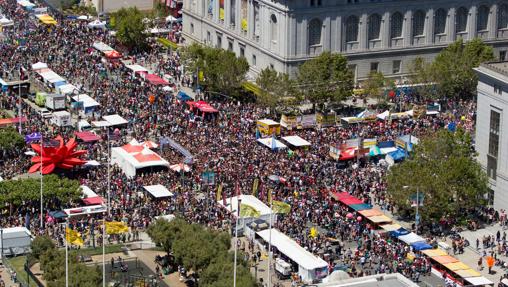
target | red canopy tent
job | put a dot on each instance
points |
(350, 200)
(339, 195)
(202, 106)
(113, 54)
(96, 200)
(11, 121)
(348, 153)
(155, 80)
(87, 136)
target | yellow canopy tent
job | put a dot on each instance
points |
(434, 252)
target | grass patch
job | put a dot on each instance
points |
(18, 263)
(115, 248)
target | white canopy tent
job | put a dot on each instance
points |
(39, 66)
(49, 75)
(411, 238)
(310, 267)
(296, 141)
(102, 47)
(268, 143)
(97, 24)
(15, 240)
(232, 207)
(115, 120)
(88, 192)
(88, 102)
(158, 191)
(66, 89)
(136, 68)
(479, 281)
(132, 157)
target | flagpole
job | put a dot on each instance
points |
(104, 252)
(236, 247)
(270, 241)
(41, 155)
(66, 254)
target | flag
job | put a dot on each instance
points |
(219, 192)
(313, 232)
(116, 227)
(258, 134)
(274, 142)
(73, 237)
(237, 189)
(255, 186)
(248, 211)
(261, 191)
(270, 195)
(416, 199)
(280, 207)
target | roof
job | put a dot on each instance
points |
(136, 68)
(158, 190)
(138, 156)
(100, 124)
(478, 281)
(102, 47)
(13, 230)
(87, 191)
(296, 141)
(268, 122)
(115, 120)
(87, 136)
(411, 238)
(232, 204)
(268, 143)
(67, 88)
(88, 101)
(84, 210)
(378, 280)
(155, 80)
(61, 113)
(292, 250)
(39, 65)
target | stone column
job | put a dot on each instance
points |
(250, 19)
(472, 22)
(292, 38)
(326, 41)
(493, 22)
(407, 29)
(452, 33)
(385, 30)
(238, 21)
(216, 8)
(363, 32)
(429, 28)
(227, 14)
(339, 39)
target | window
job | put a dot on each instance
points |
(219, 41)
(396, 66)
(352, 29)
(192, 28)
(374, 26)
(315, 2)
(418, 23)
(273, 25)
(374, 66)
(495, 120)
(461, 20)
(208, 37)
(502, 16)
(396, 25)
(254, 60)
(483, 18)
(502, 55)
(440, 22)
(230, 45)
(242, 51)
(315, 32)
(272, 67)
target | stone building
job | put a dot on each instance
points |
(382, 35)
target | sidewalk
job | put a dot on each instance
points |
(6, 276)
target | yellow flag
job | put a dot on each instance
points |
(270, 195)
(221, 14)
(280, 207)
(116, 227)
(248, 211)
(73, 237)
(219, 192)
(313, 232)
(255, 186)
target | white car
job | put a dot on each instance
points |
(45, 113)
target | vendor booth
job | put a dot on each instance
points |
(89, 104)
(272, 143)
(268, 127)
(115, 120)
(296, 141)
(309, 266)
(250, 200)
(100, 46)
(158, 191)
(134, 156)
(137, 68)
(202, 107)
(15, 241)
(156, 80)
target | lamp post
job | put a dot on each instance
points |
(417, 203)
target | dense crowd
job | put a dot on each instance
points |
(226, 144)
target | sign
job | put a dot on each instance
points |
(367, 143)
(416, 199)
(208, 177)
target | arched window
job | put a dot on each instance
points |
(352, 29)
(483, 18)
(461, 20)
(374, 26)
(396, 25)
(418, 23)
(273, 25)
(315, 32)
(502, 16)
(440, 21)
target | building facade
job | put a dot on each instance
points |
(381, 35)
(492, 128)
(115, 5)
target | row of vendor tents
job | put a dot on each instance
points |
(443, 262)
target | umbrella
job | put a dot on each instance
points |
(30, 153)
(179, 167)
(274, 177)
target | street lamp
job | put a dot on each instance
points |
(417, 203)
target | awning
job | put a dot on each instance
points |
(93, 200)
(467, 273)
(102, 47)
(58, 214)
(418, 246)
(203, 106)
(434, 252)
(136, 68)
(350, 200)
(479, 281)
(360, 206)
(39, 66)
(115, 120)
(391, 227)
(268, 143)
(454, 266)
(87, 136)
(158, 191)
(113, 54)
(296, 141)
(182, 96)
(348, 153)
(399, 232)
(411, 238)
(155, 80)
(370, 212)
(445, 259)
(380, 219)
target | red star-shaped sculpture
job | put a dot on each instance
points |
(62, 156)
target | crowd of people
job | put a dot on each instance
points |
(226, 145)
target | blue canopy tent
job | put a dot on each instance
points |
(58, 214)
(418, 246)
(182, 96)
(397, 155)
(362, 206)
(399, 232)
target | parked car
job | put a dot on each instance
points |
(45, 113)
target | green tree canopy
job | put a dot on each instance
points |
(375, 83)
(452, 69)
(326, 78)
(41, 244)
(131, 27)
(17, 192)
(444, 170)
(164, 233)
(276, 88)
(10, 139)
(222, 71)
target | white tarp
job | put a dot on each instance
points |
(88, 101)
(115, 120)
(15, 240)
(268, 143)
(48, 75)
(478, 281)
(232, 204)
(66, 89)
(131, 157)
(100, 124)
(97, 24)
(39, 66)
(383, 115)
(411, 238)
(85, 210)
(88, 192)
(296, 141)
(4, 22)
(102, 47)
(307, 262)
(158, 191)
(136, 68)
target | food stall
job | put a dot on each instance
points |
(268, 127)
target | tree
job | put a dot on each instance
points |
(326, 78)
(423, 78)
(164, 233)
(222, 71)
(10, 139)
(40, 245)
(444, 170)
(276, 88)
(220, 272)
(452, 69)
(131, 28)
(375, 83)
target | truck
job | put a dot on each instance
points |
(282, 269)
(61, 119)
(55, 102)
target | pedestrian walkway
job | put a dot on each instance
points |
(6, 276)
